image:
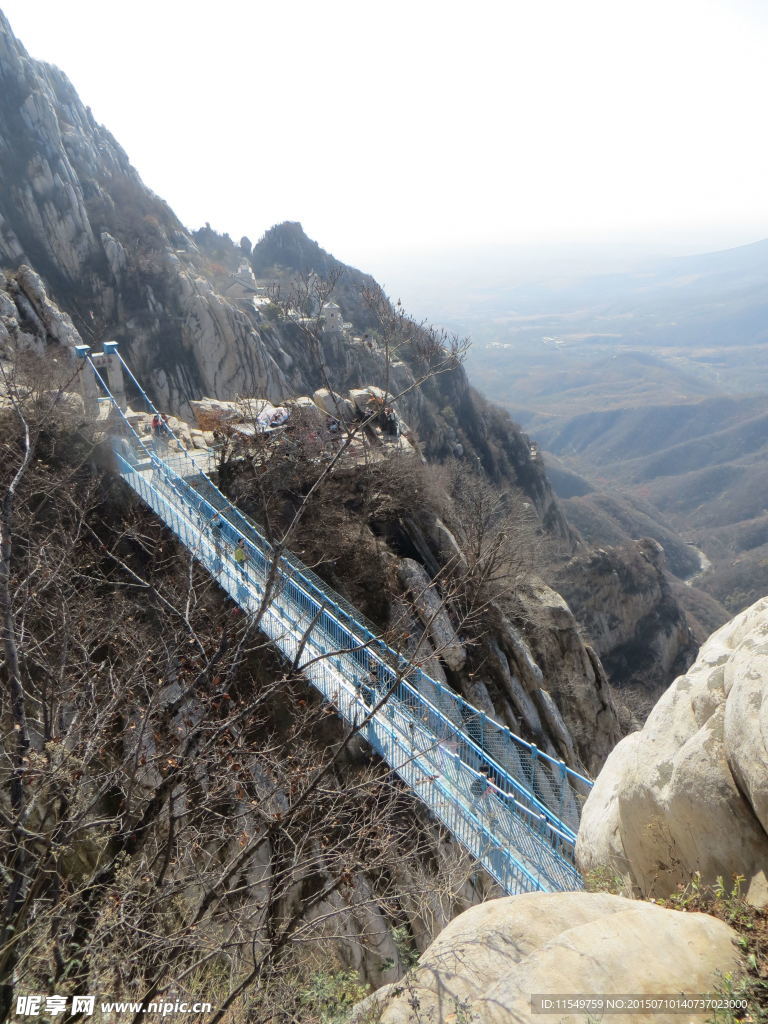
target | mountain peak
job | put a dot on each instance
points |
(287, 245)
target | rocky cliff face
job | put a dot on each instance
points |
(624, 601)
(113, 254)
(122, 266)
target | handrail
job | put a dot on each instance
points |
(521, 855)
(470, 746)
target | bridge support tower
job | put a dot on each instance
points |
(109, 365)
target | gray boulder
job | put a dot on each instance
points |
(486, 965)
(689, 792)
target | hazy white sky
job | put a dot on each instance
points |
(383, 125)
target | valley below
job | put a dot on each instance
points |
(645, 389)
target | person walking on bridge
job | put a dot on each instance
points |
(241, 556)
(164, 430)
(154, 427)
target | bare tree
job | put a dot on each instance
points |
(496, 533)
(179, 814)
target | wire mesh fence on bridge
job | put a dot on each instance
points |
(511, 805)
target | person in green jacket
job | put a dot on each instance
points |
(241, 556)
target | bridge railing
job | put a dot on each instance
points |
(532, 797)
(518, 845)
(544, 784)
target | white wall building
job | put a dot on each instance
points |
(331, 314)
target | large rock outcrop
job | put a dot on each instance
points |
(489, 962)
(573, 675)
(689, 792)
(113, 254)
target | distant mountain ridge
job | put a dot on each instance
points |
(617, 437)
(702, 468)
(666, 331)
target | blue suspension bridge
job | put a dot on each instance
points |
(514, 808)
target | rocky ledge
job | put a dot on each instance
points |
(489, 962)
